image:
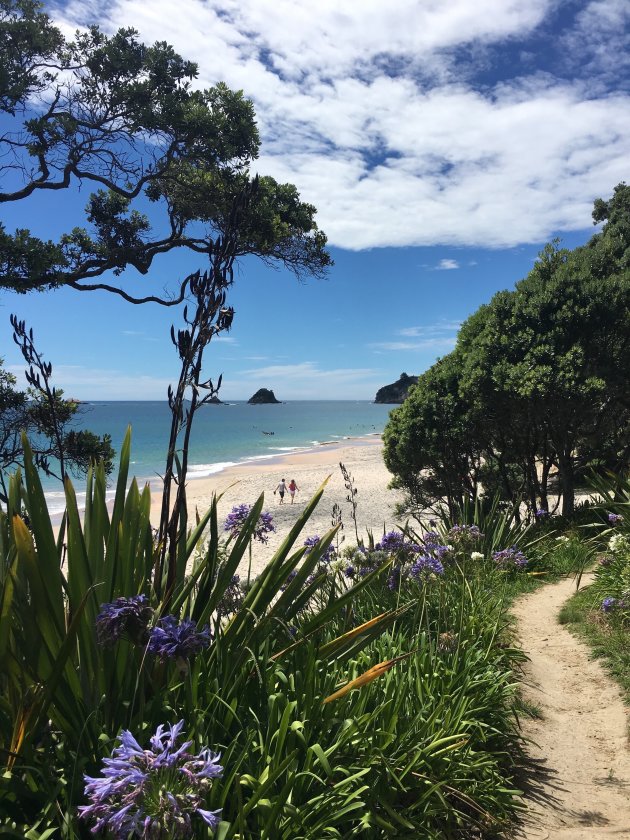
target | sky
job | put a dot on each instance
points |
(443, 142)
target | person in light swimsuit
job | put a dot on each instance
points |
(281, 489)
(292, 488)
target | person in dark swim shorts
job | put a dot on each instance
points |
(281, 489)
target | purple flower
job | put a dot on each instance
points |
(124, 617)
(238, 516)
(541, 513)
(510, 558)
(608, 604)
(349, 571)
(177, 640)
(393, 581)
(292, 574)
(615, 518)
(327, 556)
(425, 566)
(464, 536)
(232, 597)
(155, 792)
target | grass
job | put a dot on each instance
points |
(609, 640)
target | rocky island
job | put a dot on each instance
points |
(397, 391)
(263, 396)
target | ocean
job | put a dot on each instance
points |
(223, 435)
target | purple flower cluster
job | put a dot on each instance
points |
(327, 556)
(171, 639)
(464, 537)
(152, 793)
(232, 597)
(433, 546)
(610, 604)
(124, 617)
(238, 516)
(541, 513)
(426, 566)
(615, 518)
(510, 558)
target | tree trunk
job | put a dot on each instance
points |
(567, 484)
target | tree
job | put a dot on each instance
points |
(125, 117)
(47, 417)
(539, 375)
(429, 441)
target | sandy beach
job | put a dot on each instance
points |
(244, 484)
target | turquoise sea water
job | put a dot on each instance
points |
(223, 435)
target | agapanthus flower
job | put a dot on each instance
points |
(124, 617)
(426, 566)
(288, 579)
(609, 604)
(541, 513)
(604, 559)
(510, 558)
(433, 547)
(464, 537)
(447, 642)
(393, 581)
(311, 542)
(232, 597)
(237, 517)
(615, 518)
(153, 793)
(395, 543)
(350, 571)
(173, 639)
(476, 555)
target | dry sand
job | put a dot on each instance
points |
(581, 742)
(244, 484)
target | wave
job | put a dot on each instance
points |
(204, 470)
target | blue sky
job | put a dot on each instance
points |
(443, 144)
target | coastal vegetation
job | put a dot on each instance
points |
(367, 694)
(362, 689)
(536, 389)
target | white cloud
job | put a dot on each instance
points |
(304, 380)
(365, 107)
(441, 328)
(437, 345)
(86, 383)
(447, 265)
(433, 339)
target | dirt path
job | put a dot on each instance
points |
(581, 744)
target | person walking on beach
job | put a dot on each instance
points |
(281, 489)
(292, 488)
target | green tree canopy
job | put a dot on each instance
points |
(128, 119)
(541, 373)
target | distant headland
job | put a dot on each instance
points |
(397, 391)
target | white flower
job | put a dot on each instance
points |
(563, 539)
(618, 543)
(476, 555)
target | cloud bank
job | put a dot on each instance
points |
(418, 123)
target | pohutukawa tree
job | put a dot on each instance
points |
(128, 119)
(537, 385)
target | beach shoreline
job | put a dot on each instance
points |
(243, 483)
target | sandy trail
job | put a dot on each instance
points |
(581, 744)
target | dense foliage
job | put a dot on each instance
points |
(537, 385)
(371, 701)
(126, 118)
(47, 416)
